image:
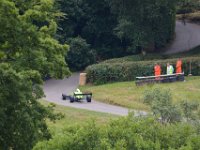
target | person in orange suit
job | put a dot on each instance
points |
(157, 70)
(179, 66)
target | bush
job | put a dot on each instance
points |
(160, 102)
(161, 105)
(127, 71)
(126, 133)
(80, 55)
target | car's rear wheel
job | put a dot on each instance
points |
(89, 99)
(71, 99)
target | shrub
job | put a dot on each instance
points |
(161, 105)
(127, 71)
(160, 102)
(126, 133)
(80, 55)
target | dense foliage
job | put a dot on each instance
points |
(129, 70)
(93, 21)
(125, 134)
(118, 28)
(28, 52)
(22, 118)
(146, 24)
(26, 39)
(80, 55)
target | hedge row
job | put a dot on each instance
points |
(138, 57)
(128, 71)
(152, 56)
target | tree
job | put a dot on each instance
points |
(80, 55)
(76, 17)
(27, 37)
(22, 117)
(94, 22)
(145, 23)
(28, 52)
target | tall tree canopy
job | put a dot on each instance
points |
(93, 21)
(26, 40)
(145, 23)
(115, 28)
(28, 51)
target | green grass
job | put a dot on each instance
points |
(73, 116)
(127, 94)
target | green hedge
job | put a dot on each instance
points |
(127, 71)
(152, 56)
(138, 57)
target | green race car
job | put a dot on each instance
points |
(78, 96)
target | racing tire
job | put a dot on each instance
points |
(89, 99)
(64, 97)
(71, 99)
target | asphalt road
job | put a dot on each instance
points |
(54, 88)
(187, 37)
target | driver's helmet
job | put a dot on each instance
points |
(77, 90)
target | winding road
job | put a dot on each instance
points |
(187, 37)
(54, 88)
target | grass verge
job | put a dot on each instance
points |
(127, 94)
(73, 116)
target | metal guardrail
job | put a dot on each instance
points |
(149, 77)
(159, 79)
